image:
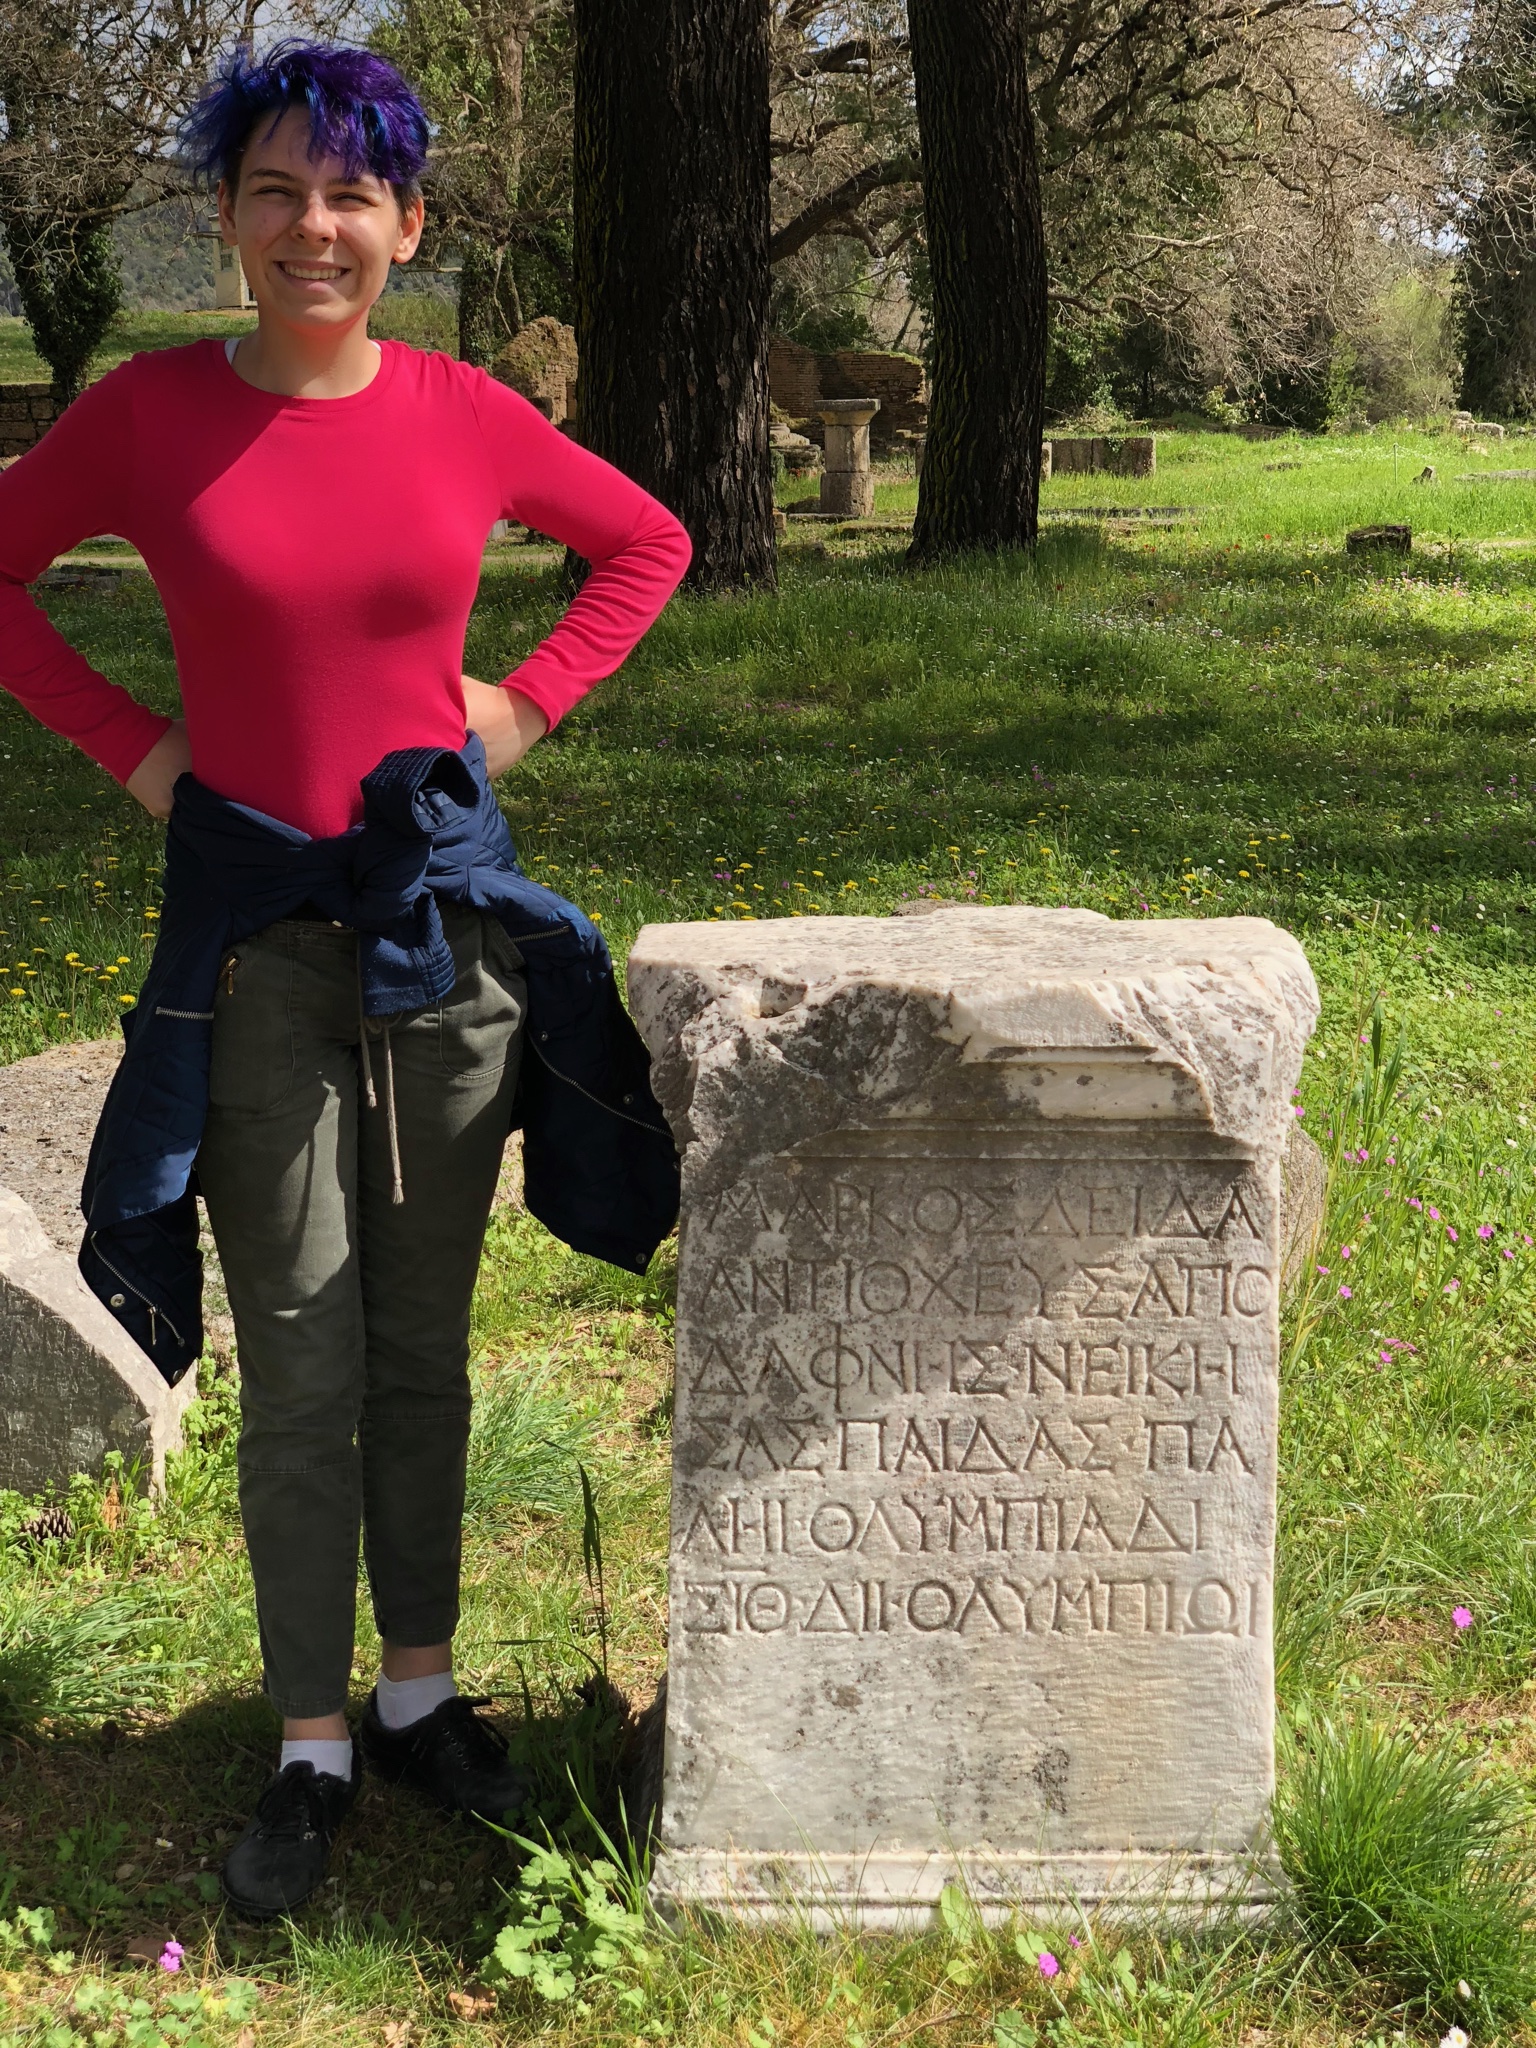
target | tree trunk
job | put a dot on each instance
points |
(490, 312)
(671, 210)
(980, 485)
(1496, 302)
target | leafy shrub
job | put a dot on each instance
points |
(1409, 1869)
(571, 1920)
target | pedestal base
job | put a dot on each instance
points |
(897, 1892)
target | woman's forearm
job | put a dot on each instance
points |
(507, 722)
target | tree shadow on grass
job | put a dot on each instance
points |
(121, 1831)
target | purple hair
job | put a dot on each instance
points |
(360, 109)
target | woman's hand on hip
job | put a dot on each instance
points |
(154, 780)
(508, 723)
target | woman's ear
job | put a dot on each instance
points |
(413, 215)
(227, 213)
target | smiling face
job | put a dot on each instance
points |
(315, 244)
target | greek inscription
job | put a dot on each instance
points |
(1087, 1605)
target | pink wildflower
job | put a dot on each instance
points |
(171, 1955)
(1324, 1271)
(1454, 1236)
(1506, 1253)
(1074, 1941)
(1485, 1231)
(1462, 1616)
(1346, 1293)
(1450, 1287)
(1048, 1964)
(1346, 1251)
(1435, 1213)
(1414, 1202)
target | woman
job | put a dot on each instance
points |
(313, 506)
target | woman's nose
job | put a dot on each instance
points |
(316, 220)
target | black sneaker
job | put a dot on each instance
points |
(451, 1755)
(281, 1857)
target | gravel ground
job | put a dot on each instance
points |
(48, 1110)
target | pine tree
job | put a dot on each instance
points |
(671, 228)
(1496, 289)
(980, 485)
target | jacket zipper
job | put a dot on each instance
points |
(154, 1313)
(228, 972)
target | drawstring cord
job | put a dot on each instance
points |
(397, 1184)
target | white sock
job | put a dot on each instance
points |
(404, 1700)
(334, 1759)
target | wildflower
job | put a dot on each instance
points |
(1506, 1253)
(1435, 1213)
(1414, 1202)
(1463, 1988)
(1346, 1251)
(1324, 1271)
(1452, 1235)
(171, 1955)
(1048, 1964)
(1072, 1938)
(1450, 1287)
(1457, 2037)
(1462, 1616)
(1485, 1231)
(1347, 1293)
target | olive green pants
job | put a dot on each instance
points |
(351, 1308)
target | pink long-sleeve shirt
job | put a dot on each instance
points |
(317, 559)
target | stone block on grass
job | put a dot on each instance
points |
(73, 1384)
(974, 1448)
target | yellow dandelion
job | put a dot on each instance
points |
(123, 960)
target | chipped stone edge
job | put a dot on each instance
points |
(895, 1892)
(32, 1262)
(701, 1019)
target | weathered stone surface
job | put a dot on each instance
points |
(73, 1384)
(1103, 454)
(847, 487)
(974, 1444)
(541, 363)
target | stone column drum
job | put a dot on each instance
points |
(846, 484)
(974, 1446)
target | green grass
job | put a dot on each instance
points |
(1224, 716)
(422, 318)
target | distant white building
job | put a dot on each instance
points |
(231, 293)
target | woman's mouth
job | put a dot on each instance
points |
(313, 273)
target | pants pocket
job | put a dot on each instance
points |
(478, 1022)
(252, 1060)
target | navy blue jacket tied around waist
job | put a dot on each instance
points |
(599, 1166)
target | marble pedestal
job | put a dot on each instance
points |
(847, 485)
(974, 1445)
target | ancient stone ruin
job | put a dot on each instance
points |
(974, 1447)
(847, 485)
(1103, 455)
(73, 1384)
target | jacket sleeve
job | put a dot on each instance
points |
(76, 482)
(638, 551)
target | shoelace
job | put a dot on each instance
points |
(293, 1805)
(471, 1741)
